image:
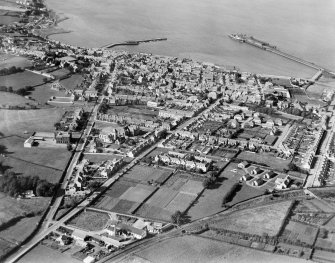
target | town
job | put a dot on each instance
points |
(162, 146)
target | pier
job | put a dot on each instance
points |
(273, 49)
(133, 43)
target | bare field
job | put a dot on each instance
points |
(264, 219)
(196, 249)
(19, 121)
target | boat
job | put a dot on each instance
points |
(237, 37)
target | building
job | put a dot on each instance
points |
(63, 137)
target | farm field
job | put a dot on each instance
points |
(90, 220)
(12, 99)
(198, 249)
(265, 158)
(6, 60)
(265, 219)
(21, 80)
(19, 121)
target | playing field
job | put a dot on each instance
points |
(266, 219)
(19, 121)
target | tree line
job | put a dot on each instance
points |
(14, 185)
(11, 70)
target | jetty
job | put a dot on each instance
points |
(250, 40)
(133, 42)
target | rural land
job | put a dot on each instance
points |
(108, 156)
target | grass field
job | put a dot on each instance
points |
(19, 121)
(197, 249)
(264, 219)
(90, 220)
(72, 82)
(266, 158)
(12, 99)
(21, 80)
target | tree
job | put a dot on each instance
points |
(69, 147)
(45, 79)
(57, 125)
(176, 218)
(10, 89)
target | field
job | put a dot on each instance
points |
(265, 158)
(138, 111)
(177, 193)
(90, 220)
(266, 219)
(72, 81)
(198, 249)
(124, 197)
(49, 158)
(19, 121)
(297, 231)
(21, 80)
(43, 93)
(11, 99)
(14, 227)
(328, 242)
(142, 173)
(21, 230)
(7, 61)
(42, 254)
(12, 208)
(323, 256)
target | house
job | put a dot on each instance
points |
(29, 142)
(269, 175)
(257, 170)
(29, 194)
(89, 259)
(246, 177)
(243, 165)
(258, 182)
(282, 183)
